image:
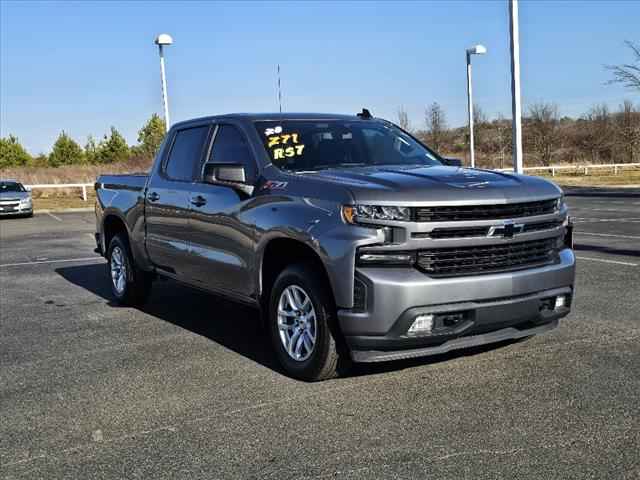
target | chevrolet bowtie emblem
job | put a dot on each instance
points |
(506, 230)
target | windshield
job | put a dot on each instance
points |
(307, 145)
(11, 187)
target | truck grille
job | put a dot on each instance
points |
(487, 259)
(470, 232)
(483, 212)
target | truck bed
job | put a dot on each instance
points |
(132, 181)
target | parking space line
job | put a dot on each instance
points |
(601, 209)
(596, 220)
(616, 262)
(82, 259)
(54, 217)
(633, 237)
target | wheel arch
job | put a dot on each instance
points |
(112, 225)
(279, 252)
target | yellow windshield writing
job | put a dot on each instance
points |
(279, 153)
(280, 150)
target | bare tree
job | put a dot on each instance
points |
(501, 137)
(403, 119)
(596, 133)
(627, 126)
(628, 74)
(436, 122)
(479, 117)
(480, 129)
(541, 130)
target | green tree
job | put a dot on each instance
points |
(40, 160)
(91, 150)
(113, 148)
(150, 136)
(12, 154)
(65, 152)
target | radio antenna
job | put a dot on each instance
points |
(279, 90)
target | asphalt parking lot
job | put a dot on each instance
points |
(187, 388)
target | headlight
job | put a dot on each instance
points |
(354, 213)
(25, 202)
(560, 203)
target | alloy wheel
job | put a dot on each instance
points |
(297, 324)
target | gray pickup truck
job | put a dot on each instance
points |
(355, 241)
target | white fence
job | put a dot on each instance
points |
(82, 186)
(576, 168)
(553, 169)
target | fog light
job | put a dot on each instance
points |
(422, 324)
(561, 301)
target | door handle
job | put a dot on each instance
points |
(154, 197)
(199, 201)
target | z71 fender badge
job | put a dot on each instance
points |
(273, 185)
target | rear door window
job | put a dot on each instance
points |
(186, 153)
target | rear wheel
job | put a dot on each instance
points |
(301, 324)
(130, 285)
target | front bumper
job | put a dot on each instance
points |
(494, 307)
(15, 211)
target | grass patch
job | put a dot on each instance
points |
(62, 202)
(597, 178)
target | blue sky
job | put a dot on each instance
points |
(83, 66)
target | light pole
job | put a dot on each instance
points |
(516, 106)
(162, 40)
(476, 50)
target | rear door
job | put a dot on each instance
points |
(167, 202)
(222, 235)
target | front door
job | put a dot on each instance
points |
(222, 235)
(167, 205)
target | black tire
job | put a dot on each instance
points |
(137, 283)
(322, 362)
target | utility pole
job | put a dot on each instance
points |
(476, 50)
(162, 40)
(516, 106)
(470, 111)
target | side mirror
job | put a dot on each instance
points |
(452, 162)
(230, 174)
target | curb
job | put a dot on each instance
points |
(64, 210)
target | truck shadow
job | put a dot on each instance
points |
(232, 325)
(607, 192)
(626, 252)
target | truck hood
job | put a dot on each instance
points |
(415, 185)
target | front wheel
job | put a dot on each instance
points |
(301, 321)
(130, 285)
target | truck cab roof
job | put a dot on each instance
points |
(256, 117)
